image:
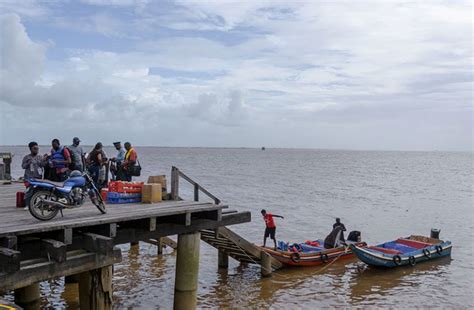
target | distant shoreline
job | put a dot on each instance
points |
(269, 148)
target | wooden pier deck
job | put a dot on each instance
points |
(16, 221)
(83, 242)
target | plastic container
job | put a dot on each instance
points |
(125, 187)
(103, 193)
(123, 200)
(114, 195)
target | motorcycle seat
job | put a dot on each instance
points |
(57, 184)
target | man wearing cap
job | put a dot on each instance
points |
(117, 168)
(77, 155)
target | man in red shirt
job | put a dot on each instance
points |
(270, 227)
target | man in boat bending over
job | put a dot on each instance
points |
(270, 228)
(335, 238)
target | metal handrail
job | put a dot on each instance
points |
(176, 174)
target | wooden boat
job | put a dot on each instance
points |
(310, 255)
(403, 251)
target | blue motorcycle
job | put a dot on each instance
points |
(47, 198)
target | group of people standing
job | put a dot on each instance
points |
(61, 160)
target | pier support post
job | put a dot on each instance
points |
(28, 297)
(187, 269)
(95, 289)
(266, 264)
(159, 244)
(222, 260)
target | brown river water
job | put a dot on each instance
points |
(385, 195)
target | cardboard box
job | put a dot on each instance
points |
(151, 193)
(158, 179)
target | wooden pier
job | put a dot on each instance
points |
(83, 243)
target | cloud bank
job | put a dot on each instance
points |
(372, 75)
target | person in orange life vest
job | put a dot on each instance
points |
(129, 161)
(270, 227)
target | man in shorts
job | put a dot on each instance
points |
(270, 228)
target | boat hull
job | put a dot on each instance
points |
(388, 260)
(312, 259)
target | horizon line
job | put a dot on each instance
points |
(271, 147)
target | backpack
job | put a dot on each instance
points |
(73, 156)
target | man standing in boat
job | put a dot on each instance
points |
(339, 224)
(270, 228)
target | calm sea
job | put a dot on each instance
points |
(385, 195)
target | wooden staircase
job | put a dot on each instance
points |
(235, 246)
(226, 241)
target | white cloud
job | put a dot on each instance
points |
(256, 63)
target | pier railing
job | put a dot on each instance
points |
(176, 174)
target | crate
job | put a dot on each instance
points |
(123, 200)
(125, 187)
(114, 195)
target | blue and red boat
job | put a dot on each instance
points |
(403, 251)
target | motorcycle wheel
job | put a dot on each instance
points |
(41, 211)
(98, 202)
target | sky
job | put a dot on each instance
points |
(377, 75)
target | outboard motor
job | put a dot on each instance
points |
(354, 236)
(435, 233)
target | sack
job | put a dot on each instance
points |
(135, 170)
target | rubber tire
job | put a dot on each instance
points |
(439, 249)
(427, 253)
(324, 258)
(36, 215)
(412, 260)
(295, 257)
(397, 260)
(100, 205)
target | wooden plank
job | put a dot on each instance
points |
(167, 229)
(169, 242)
(229, 211)
(251, 249)
(20, 227)
(187, 219)
(165, 241)
(97, 243)
(9, 242)
(9, 260)
(152, 226)
(54, 249)
(79, 262)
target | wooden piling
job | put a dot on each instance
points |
(95, 289)
(28, 297)
(266, 264)
(222, 260)
(159, 245)
(187, 270)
